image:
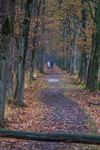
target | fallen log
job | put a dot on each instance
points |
(51, 137)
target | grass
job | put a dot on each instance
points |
(82, 85)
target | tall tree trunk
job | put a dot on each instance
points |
(42, 60)
(32, 65)
(23, 45)
(94, 65)
(35, 31)
(2, 91)
(2, 65)
(43, 30)
(73, 53)
(4, 48)
(84, 64)
(6, 29)
(73, 68)
(83, 67)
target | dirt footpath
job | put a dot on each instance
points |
(51, 111)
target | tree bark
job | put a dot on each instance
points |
(35, 31)
(2, 90)
(83, 68)
(43, 30)
(23, 45)
(84, 63)
(94, 65)
(6, 29)
(31, 78)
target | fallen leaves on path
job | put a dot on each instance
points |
(89, 101)
(36, 116)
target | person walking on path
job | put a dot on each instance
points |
(48, 64)
(52, 64)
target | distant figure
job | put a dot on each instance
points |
(48, 64)
(52, 64)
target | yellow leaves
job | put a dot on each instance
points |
(67, 8)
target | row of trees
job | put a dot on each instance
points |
(80, 27)
(70, 30)
(12, 46)
(22, 27)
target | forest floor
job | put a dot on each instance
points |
(54, 104)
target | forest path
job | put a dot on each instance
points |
(63, 115)
(49, 110)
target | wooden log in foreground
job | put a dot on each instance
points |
(51, 137)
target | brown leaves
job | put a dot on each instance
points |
(88, 101)
(45, 113)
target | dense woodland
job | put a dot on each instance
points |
(33, 30)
